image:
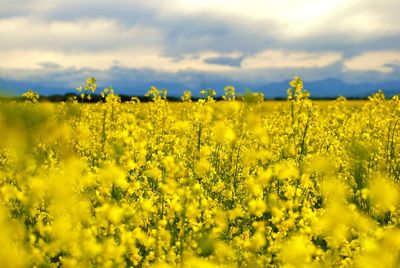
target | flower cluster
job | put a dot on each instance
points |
(234, 183)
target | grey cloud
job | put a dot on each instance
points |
(180, 35)
(12, 8)
(127, 13)
(342, 43)
(50, 65)
(204, 32)
(230, 61)
(183, 34)
(121, 75)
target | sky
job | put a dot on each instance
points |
(60, 42)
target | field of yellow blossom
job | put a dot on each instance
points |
(235, 183)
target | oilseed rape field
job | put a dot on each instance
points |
(234, 183)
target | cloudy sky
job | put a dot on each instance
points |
(62, 41)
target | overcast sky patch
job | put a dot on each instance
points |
(62, 39)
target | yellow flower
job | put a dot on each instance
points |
(223, 133)
(257, 207)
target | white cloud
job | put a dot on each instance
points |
(300, 19)
(155, 60)
(290, 59)
(178, 35)
(96, 34)
(143, 58)
(378, 61)
(283, 10)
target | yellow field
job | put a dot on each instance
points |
(200, 184)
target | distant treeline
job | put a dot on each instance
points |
(125, 98)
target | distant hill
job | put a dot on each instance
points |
(327, 88)
(13, 88)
